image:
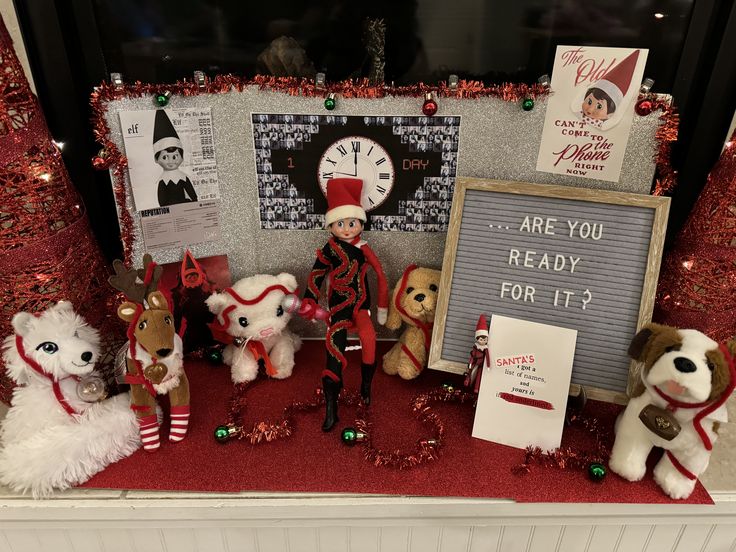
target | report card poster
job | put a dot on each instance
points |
(590, 110)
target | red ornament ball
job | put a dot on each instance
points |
(429, 107)
(643, 107)
(100, 163)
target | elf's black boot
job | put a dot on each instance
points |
(366, 371)
(331, 390)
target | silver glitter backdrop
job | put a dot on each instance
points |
(497, 140)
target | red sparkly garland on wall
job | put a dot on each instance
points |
(110, 157)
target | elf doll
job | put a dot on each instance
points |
(479, 356)
(607, 94)
(344, 261)
(174, 185)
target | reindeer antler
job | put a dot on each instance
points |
(132, 282)
(155, 277)
(124, 280)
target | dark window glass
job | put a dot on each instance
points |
(165, 40)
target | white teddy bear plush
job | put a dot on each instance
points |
(51, 439)
(251, 319)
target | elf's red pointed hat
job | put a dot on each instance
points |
(481, 328)
(343, 200)
(617, 81)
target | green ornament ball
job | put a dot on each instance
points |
(162, 100)
(214, 356)
(330, 104)
(596, 472)
(527, 104)
(349, 436)
(222, 434)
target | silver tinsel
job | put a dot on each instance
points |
(497, 140)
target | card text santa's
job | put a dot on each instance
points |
(590, 111)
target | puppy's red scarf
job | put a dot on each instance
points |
(424, 326)
(707, 408)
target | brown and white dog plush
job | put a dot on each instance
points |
(686, 379)
(414, 301)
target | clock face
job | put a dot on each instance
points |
(363, 158)
(407, 164)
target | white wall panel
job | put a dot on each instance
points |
(545, 538)
(322, 523)
(240, 540)
(211, 540)
(271, 540)
(23, 541)
(152, 540)
(302, 539)
(395, 539)
(364, 539)
(424, 538)
(85, 540)
(486, 539)
(605, 538)
(454, 539)
(333, 539)
(722, 539)
(635, 538)
(116, 540)
(664, 537)
(516, 538)
(575, 538)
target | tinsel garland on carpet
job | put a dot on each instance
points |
(47, 250)
(697, 285)
(569, 458)
(425, 449)
(111, 158)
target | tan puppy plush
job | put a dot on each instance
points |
(414, 301)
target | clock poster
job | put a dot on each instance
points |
(407, 164)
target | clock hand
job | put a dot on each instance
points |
(355, 160)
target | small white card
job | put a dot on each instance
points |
(523, 394)
(590, 111)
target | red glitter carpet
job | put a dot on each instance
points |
(311, 461)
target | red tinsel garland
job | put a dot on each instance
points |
(567, 457)
(665, 177)
(110, 156)
(425, 450)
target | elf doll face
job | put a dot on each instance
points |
(169, 160)
(595, 108)
(346, 229)
(481, 341)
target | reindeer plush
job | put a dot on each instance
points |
(155, 353)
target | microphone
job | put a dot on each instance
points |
(293, 305)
